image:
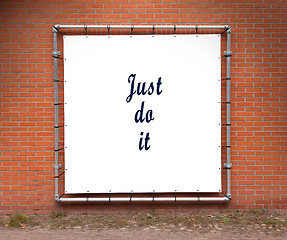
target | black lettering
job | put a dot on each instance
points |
(132, 91)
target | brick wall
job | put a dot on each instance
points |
(259, 109)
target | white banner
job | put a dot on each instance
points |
(142, 113)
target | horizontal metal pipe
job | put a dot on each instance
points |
(223, 27)
(149, 199)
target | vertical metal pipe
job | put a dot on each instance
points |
(228, 76)
(56, 166)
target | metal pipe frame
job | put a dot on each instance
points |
(146, 199)
(56, 114)
(225, 27)
(57, 166)
(228, 123)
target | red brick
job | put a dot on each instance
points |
(258, 90)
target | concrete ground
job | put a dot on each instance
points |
(139, 234)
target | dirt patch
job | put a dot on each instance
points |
(220, 223)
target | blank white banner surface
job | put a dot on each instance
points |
(142, 113)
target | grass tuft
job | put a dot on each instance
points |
(55, 215)
(18, 220)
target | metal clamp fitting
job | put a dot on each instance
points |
(57, 167)
(227, 53)
(227, 165)
(56, 54)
